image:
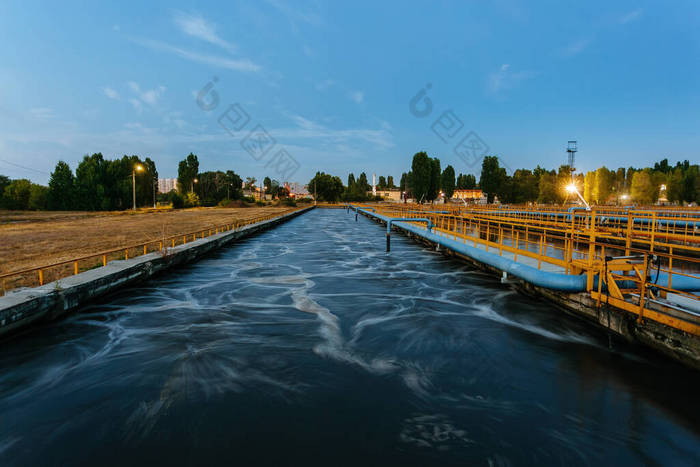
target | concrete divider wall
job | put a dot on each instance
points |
(20, 308)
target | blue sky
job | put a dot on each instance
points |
(331, 82)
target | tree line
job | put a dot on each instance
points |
(424, 182)
(330, 188)
(100, 184)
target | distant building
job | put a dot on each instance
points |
(166, 185)
(388, 195)
(297, 190)
(255, 192)
(470, 196)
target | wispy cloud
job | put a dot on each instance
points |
(505, 79)
(111, 93)
(305, 123)
(136, 104)
(324, 85)
(295, 14)
(148, 96)
(222, 62)
(631, 16)
(576, 47)
(42, 113)
(357, 96)
(196, 26)
(308, 51)
(323, 136)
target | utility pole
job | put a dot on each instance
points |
(155, 183)
(133, 187)
(138, 167)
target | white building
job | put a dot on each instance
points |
(297, 190)
(166, 185)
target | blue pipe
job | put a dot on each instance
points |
(407, 219)
(428, 223)
(546, 279)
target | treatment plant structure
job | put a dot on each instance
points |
(633, 272)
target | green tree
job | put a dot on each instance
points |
(327, 187)
(267, 184)
(493, 177)
(90, 183)
(435, 175)
(4, 181)
(548, 192)
(16, 195)
(351, 180)
(38, 197)
(61, 196)
(589, 184)
(362, 183)
(191, 200)
(662, 167)
(643, 190)
(187, 171)
(420, 176)
(525, 186)
(381, 184)
(675, 186)
(604, 182)
(691, 184)
(235, 185)
(390, 182)
(466, 182)
(448, 181)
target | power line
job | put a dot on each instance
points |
(25, 168)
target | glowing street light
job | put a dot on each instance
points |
(137, 168)
(571, 188)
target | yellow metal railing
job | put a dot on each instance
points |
(41, 275)
(577, 245)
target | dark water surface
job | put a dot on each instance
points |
(309, 345)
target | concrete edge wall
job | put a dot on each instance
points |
(672, 342)
(23, 307)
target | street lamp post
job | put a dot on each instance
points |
(139, 168)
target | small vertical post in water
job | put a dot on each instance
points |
(388, 242)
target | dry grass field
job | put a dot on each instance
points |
(30, 239)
